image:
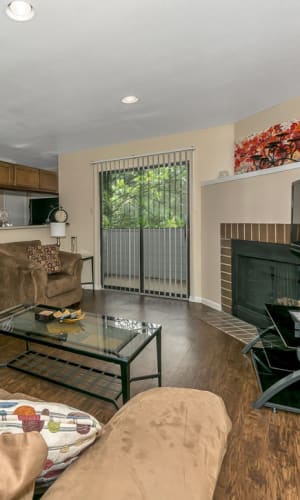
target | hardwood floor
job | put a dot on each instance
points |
(263, 456)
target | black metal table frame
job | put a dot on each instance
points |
(124, 364)
(284, 382)
(266, 395)
(91, 259)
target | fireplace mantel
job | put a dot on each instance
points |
(247, 175)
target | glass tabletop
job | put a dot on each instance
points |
(281, 346)
(108, 336)
(284, 324)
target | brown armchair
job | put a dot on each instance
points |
(25, 281)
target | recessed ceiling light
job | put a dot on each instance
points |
(130, 99)
(21, 145)
(20, 10)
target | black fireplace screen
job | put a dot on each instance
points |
(263, 273)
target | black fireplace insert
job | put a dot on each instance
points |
(263, 273)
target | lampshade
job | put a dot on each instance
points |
(58, 229)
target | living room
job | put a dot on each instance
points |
(261, 459)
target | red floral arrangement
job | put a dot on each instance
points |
(278, 145)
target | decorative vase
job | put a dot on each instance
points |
(74, 244)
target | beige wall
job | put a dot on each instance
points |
(289, 110)
(213, 152)
(264, 198)
(28, 233)
(260, 199)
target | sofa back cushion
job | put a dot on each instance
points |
(18, 248)
(47, 256)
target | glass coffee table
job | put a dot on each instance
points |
(115, 341)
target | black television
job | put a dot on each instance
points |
(40, 208)
(295, 218)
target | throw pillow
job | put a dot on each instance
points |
(47, 256)
(66, 430)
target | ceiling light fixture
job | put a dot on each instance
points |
(21, 145)
(20, 10)
(130, 99)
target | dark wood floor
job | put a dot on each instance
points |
(263, 456)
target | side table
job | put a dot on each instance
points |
(277, 362)
(92, 281)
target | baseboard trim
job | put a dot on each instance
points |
(90, 287)
(195, 299)
(206, 302)
(200, 300)
(212, 304)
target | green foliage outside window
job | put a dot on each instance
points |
(149, 198)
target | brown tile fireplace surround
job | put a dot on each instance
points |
(266, 233)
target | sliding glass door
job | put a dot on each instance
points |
(144, 225)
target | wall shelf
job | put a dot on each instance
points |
(239, 177)
(7, 228)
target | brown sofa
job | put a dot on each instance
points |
(23, 281)
(165, 444)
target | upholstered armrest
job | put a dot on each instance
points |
(22, 458)
(21, 281)
(175, 443)
(70, 262)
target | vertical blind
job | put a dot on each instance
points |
(144, 223)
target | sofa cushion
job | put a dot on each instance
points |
(65, 430)
(47, 256)
(18, 248)
(60, 283)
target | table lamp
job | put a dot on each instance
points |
(58, 230)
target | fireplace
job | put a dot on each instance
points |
(263, 273)
(275, 234)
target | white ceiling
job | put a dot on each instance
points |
(193, 63)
